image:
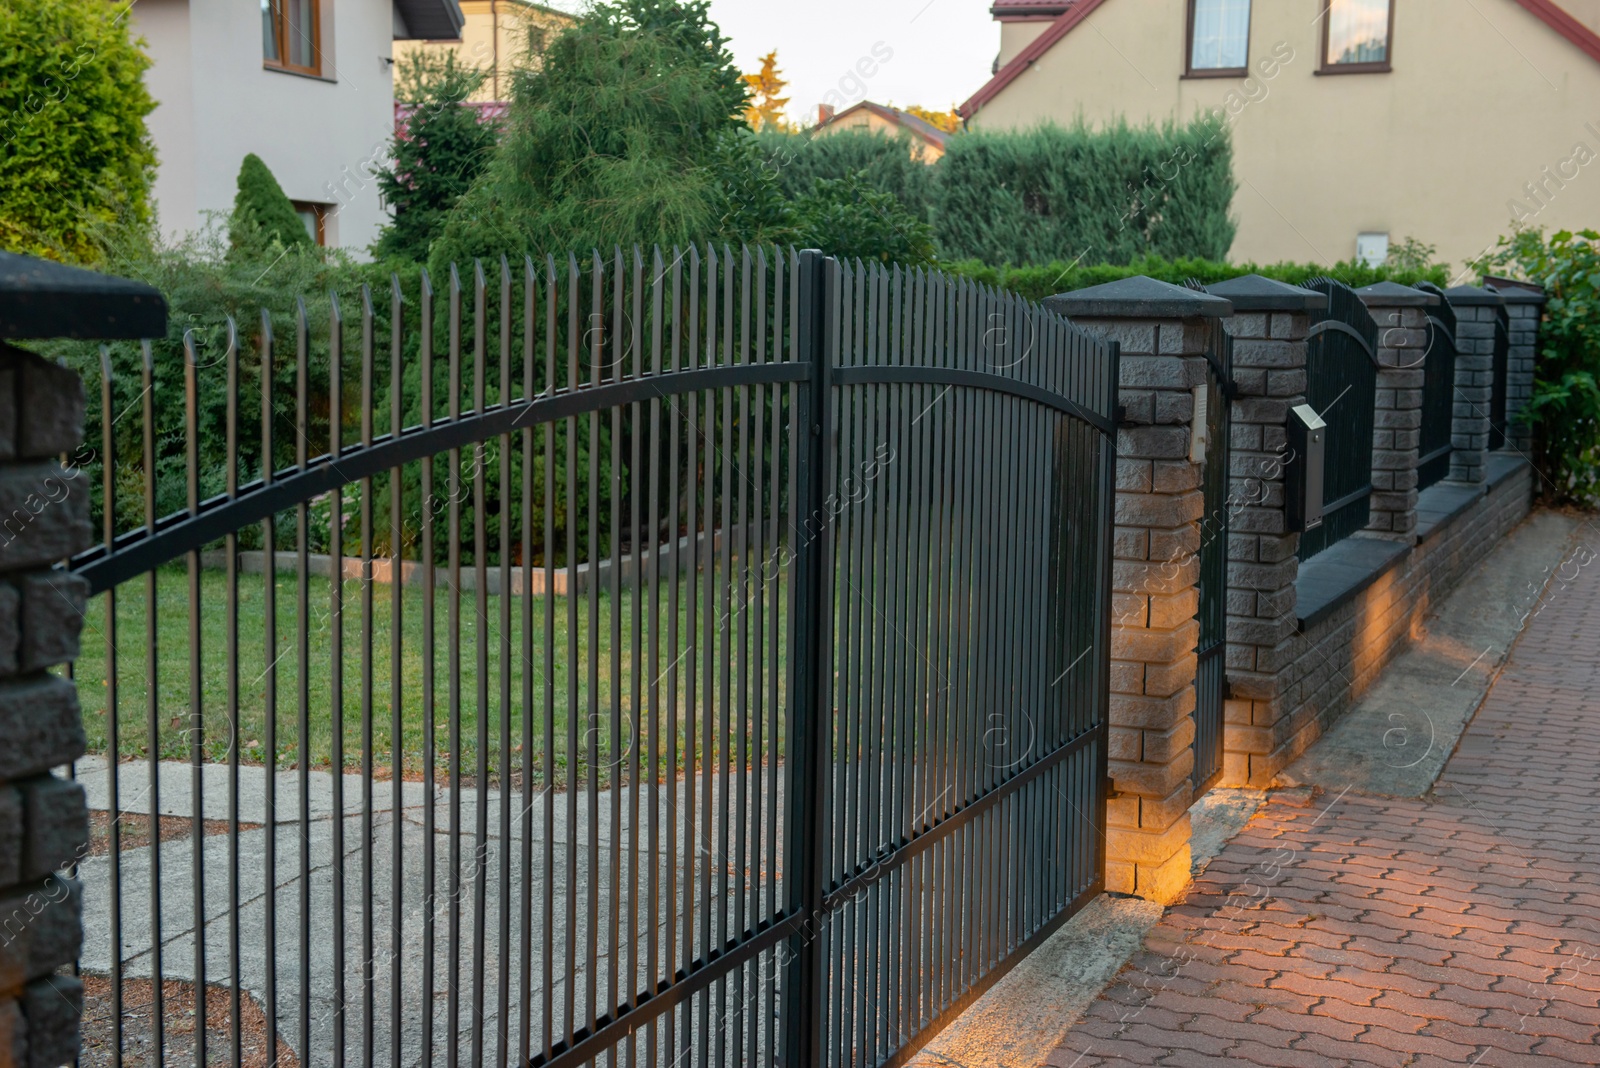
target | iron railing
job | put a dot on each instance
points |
(1341, 384)
(1438, 392)
(1499, 428)
(701, 661)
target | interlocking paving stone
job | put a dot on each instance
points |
(1459, 928)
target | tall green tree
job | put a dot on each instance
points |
(439, 151)
(262, 212)
(626, 133)
(75, 155)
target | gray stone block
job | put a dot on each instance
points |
(44, 515)
(41, 928)
(50, 404)
(54, 1010)
(53, 604)
(8, 414)
(57, 825)
(10, 628)
(41, 725)
(13, 1033)
(11, 836)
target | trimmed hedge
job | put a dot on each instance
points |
(1038, 282)
(801, 160)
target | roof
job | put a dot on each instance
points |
(912, 123)
(430, 20)
(1073, 12)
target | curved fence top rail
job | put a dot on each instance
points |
(1347, 314)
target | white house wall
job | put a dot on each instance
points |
(321, 137)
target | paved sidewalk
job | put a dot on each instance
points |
(1462, 928)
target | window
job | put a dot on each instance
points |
(290, 35)
(315, 218)
(1355, 36)
(1219, 38)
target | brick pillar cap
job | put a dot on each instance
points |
(40, 299)
(1395, 295)
(1252, 292)
(1139, 297)
(1467, 296)
(1514, 292)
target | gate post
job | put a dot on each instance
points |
(1476, 310)
(1402, 318)
(44, 518)
(1162, 331)
(1524, 308)
(1269, 327)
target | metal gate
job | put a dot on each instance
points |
(1342, 384)
(720, 677)
(1211, 668)
(1438, 391)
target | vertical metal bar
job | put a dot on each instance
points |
(397, 689)
(574, 668)
(369, 993)
(636, 779)
(552, 297)
(740, 531)
(652, 574)
(810, 703)
(724, 657)
(152, 707)
(675, 744)
(614, 757)
(429, 709)
(503, 769)
(772, 636)
(707, 555)
(530, 321)
(269, 594)
(197, 866)
(336, 672)
(108, 534)
(231, 551)
(691, 845)
(594, 547)
(453, 652)
(480, 574)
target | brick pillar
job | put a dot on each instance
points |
(44, 825)
(1401, 313)
(1525, 308)
(1161, 331)
(1269, 328)
(1476, 310)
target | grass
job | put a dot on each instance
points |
(595, 660)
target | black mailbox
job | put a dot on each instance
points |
(1302, 475)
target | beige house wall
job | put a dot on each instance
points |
(1015, 36)
(494, 39)
(1485, 107)
(871, 121)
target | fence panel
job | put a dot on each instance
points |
(1499, 429)
(596, 660)
(1341, 384)
(1438, 391)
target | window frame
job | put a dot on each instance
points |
(319, 212)
(1191, 71)
(281, 36)
(1325, 67)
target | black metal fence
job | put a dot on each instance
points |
(1438, 391)
(1499, 428)
(1211, 665)
(700, 661)
(1341, 384)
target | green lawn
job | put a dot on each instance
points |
(504, 652)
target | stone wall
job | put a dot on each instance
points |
(44, 517)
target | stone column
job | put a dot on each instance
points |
(44, 518)
(1525, 308)
(1401, 313)
(1475, 311)
(1269, 328)
(1155, 580)
(44, 825)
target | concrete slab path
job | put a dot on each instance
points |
(1459, 928)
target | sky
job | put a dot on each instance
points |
(934, 53)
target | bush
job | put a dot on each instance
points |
(1038, 282)
(262, 214)
(619, 137)
(442, 148)
(1101, 196)
(1565, 407)
(888, 164)
(74, 152)
(847, 217)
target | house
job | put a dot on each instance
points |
(1355, 123)
(497, 37)
(927, 139)
(304, 84)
